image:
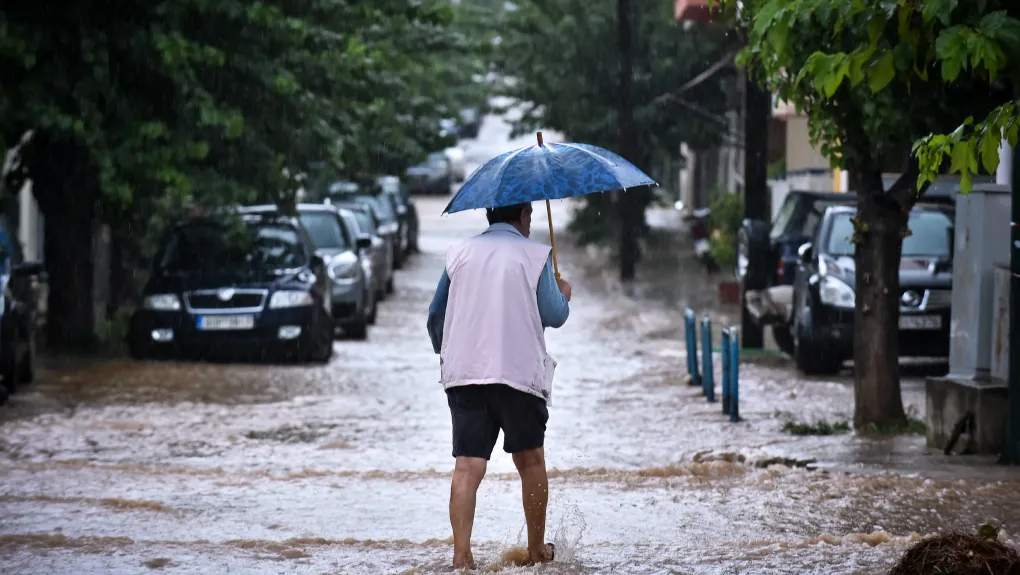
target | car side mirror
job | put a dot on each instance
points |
(29, 268)
(805, 252)
(364, 242)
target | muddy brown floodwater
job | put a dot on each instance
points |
(122, 467)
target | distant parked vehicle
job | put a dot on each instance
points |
(407, 212)
(824, 298)
(470, 123)
(458, 163)
(432, 177)
(381, 251)
(384, 206)
(353, 299)
(249, 283)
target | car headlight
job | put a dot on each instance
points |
(343, 271)
(390, 228)
(163, 302)
(290, 298)
(836, 293)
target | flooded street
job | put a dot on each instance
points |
(121, 467)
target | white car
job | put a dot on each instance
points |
(458, 169)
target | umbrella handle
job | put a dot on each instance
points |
(552, 240)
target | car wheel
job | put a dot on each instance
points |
(27, 367)
(11, 372)
(811, 358)
(358, 330)
(320, 348)
(784, 338)
(373, 311)
(752, 262)
(389, 286)
(4, 395)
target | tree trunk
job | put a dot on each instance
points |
(879, 240)
(65, 187)
(629, 208)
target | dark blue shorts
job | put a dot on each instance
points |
(480, 411)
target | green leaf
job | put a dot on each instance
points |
(988, 531)
(881, 72)
(990, 151)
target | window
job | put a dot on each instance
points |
(325, 230)
(210, 247)
(929, 236)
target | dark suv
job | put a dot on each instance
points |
(249, 283)
(822, 326)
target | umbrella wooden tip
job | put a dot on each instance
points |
(540, 142)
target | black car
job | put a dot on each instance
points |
(767, 259)
(823, 295)
(245, 283)
(434, 176)
(354, 301)
(17, 326)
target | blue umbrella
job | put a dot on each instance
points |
(552, 171)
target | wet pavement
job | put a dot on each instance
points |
(123, 467)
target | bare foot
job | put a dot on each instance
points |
(541, 555)
(464, 562)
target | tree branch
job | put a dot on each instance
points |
(694, 82)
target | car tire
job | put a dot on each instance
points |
(358, 330)
(320, 346)
(390, 288)
(373, 311)
(11, 371)
(784, 338)
(27, 367)
(753, 245)
(812, 359)
(4, 395)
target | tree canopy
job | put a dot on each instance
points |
(135, 109)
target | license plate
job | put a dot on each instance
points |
(225, 322)
(920, 322)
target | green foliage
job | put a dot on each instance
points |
(727, 215)
(560, 66)
(851, 67)
(817, 428)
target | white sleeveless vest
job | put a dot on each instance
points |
(492, 332)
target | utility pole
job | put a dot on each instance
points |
(1011, 451)
(757, 197)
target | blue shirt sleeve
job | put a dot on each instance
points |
(437, 312)
(553, 306)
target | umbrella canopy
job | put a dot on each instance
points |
(546, 171)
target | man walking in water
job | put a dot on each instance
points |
(487, 320)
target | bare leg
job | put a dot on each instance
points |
(467, 475)
(535, 489)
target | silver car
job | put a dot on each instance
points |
(353, 299)
(380, 252)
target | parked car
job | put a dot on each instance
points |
(470, 123)
(432, 177)
(353, 299)
(458, 163)
(407, 212)
(384, 207)
(381, 251)
(767, 259)
(17, 325)
(823, 295)
(242, 282)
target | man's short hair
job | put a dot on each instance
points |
(505, 214)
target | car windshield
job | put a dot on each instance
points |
(929, 235)
(208, 246)
(365, 223)
(381, 205)
(325, 230)
(800, 223)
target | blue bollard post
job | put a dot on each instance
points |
(707, 369)
(691, 335)
(735, 375)
(726, 371)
